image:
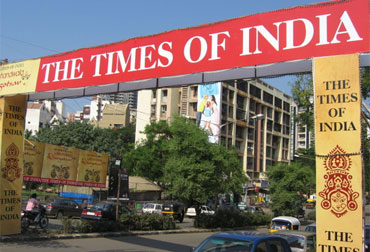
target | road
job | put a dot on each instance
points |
(167, 242)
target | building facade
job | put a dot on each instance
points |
(255, 119)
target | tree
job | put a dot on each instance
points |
(148, 158)
(197, 169)
(85, 136)
(187, 165)
(302, 93)
(288, 183)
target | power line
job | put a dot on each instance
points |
(29, 43)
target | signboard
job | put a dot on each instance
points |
(92, 168)
(12, 115)
(33, 160)
(46, 163)
(339, 169)
(209, 110)
(330, 28)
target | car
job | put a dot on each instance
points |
(367, 237)
(299, 241)
(152, 208)
(63, 207)
(311, 228)
(284, 223)
(254, 209)
(190, 212)
(175, 209)
(104, 210)
(243, 241)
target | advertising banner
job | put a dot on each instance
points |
(60, 165)
(92, 169)
(209, 110)
(33, 160)
(339, 169)
(19, 77)
(330, 28)
(46, 163)
(12, 114)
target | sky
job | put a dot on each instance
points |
(36, 28)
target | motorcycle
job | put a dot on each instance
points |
(28, 218)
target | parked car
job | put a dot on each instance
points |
(284, 223)
(63, 207)
(175, 209)
(243, 241)
(152, 208)
(254, 209)
(311, 228)
(367, 237)
(299, 241)
(104, 210)
(190, 212)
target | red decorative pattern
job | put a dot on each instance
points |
(338, 195)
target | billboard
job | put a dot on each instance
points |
(339, 166)
(324, 29)
(12, 116)
(209, 110)
(47, 163)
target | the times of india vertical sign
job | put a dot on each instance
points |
(339, 185)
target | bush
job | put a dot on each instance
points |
(311, 215)
(229, 218)
(147, 221)
(126, 222)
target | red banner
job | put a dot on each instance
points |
(330, 28)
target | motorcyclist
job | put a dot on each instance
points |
(33, 207)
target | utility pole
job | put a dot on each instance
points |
(118, 163)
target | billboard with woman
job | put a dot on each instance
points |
(209, 109)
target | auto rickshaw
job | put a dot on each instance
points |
(284, 223)
(310, 203)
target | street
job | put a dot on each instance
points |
(167, 242)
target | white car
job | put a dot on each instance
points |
(152, 208)
(203, 210)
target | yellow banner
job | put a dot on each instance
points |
(33, 158)
(92, 167)
(20, 77)
(60, 163)
(339, 210)
(12, 113)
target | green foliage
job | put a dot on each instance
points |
(365, 82)
(147, 222)
(84, 136)
(311, 216)
(302, 93)
(127, 222)
(189, 167)
(287, 184)
(97, 226)
(231, 218)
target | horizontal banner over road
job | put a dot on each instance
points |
(330, 28)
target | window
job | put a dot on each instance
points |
(164, 95)
(164, 108)
(267, 97)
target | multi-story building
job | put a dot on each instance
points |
(129, 98)
(44, 114)
(255, 118)
(114, 116)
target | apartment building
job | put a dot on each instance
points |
(255, 118)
